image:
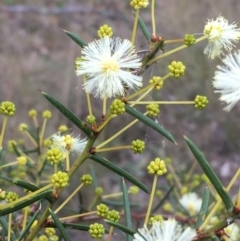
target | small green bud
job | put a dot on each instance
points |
(53, 238)
(87, 179)
(205, 178)
(102, 210)
(157, 167)
(189, 39)
(23, 127)
(113, 216)
(60, 179)
(11, 197)
(156, 218)
(196, 177)
(98, 191)
(137, 4)
(91, 119)
(105, 31)
(158, 81)
(10, 145)
(176, 69)
(133, 190)
(50, 231)
(47, 142)
(200, 102)
(169, 177)
(194, 184)
(117, 107)
(34, 225)
(153, 110)
(22, 160)
(96, 230)
(43, 238)
(168, 160)
(55, 155)
(32, 113)
(47, 114)
(2, 194)
(184, 190)
(77, 62)
(62, 128)
(158, 193)
(7, 108)
(138, 146)
(168, 207)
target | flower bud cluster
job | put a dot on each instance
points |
(156, 218)
(102, 210)
(98, 191)
(105, 31)
(11, 197)
(50, 231)
(189, 39)
(2, 194)
(157, 167)
(55, 155)
(47, 114)
(137, 4)
(153, 110)
(32, 113)
(10, 145)
(133, 190)
(60, 179)
(96, 230)
(22, 160)
(117, 107)
(158, 81)
(138, 146)
(7, 108)
(113, 216)
(176, 69)
(200, 102)
(87, 179)
(62, 128)
(91, 119)
(23, 127)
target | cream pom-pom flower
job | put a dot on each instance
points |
(106, 63)
(227, 81)
(167, 230)
(191, 202)
(221, 35)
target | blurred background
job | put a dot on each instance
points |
(35, 54)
